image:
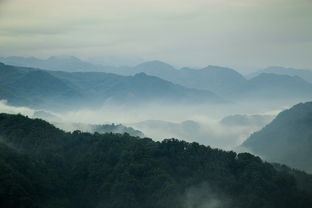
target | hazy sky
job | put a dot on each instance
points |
(236, 33)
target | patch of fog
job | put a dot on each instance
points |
(5, 108)
(211, 133)
(202, 196)
(191, 123)
(200, 123)
(70, 127)
(173, 113)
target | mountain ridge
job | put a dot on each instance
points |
(222, 81)
(94, 88)
(305, 74)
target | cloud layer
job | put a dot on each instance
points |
(235, 33)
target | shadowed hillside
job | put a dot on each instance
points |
(39, 88)
(287, 139)
(42, 166)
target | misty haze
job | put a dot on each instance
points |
(155, 104)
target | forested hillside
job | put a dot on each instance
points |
(42, 166)
(287, 139)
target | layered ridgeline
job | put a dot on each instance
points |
(39, 88)
(268, 86)
(229, 83)
(220, 80)
(272, 83)
(58, 63)
(61, 63)
(305, 74)
(287, 139)
(42, 166)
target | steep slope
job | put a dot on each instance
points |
(32, 87)
(42, 166)
(8, 95)
(287, 139)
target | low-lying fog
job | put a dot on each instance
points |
(222, 126)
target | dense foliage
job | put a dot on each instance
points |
(99, 128)
(42, 166)
(287, 139)
(117, 129)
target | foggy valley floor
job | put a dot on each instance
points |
(201, 123)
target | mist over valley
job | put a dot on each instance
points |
(155, 104)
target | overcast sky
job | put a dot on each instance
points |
(237, 33)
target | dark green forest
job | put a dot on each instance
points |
(42, 166)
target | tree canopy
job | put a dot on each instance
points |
(42, 166)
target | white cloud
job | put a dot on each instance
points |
(4, 108)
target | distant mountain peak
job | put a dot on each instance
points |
(155, 63)
(219, 68)
(305, 74)
(278, 77)
(141, 74)
(64, 57)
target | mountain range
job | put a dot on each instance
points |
(305, 74)
(229, 83)
(214, 78)
(159, 79)
(217, 79)
(267, 86)
(58, 63)
(35, 87)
